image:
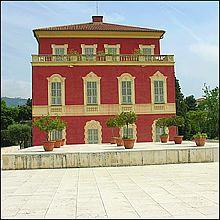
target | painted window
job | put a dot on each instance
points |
(89, 51)
(92, 93)
(112, 51)
(56, 93)
(147, 49)
(130, 132)
(126, 92)
(55, 135)
(158, 91)
(59, 51)
(93, 136)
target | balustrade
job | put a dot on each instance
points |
(102, 58)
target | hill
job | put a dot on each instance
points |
(14, 101)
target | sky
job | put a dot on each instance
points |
(192, 35)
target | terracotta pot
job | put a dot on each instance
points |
(113, 140)
(164, 139)
(178, 139)
(128, 143)
(62, 142)
(48, 145)
(119, 142)
(200, 141)
(57, 143)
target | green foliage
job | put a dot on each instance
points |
(211, 105)
(59, 123)
(200, 135)
(111, 122)
(177, 121)
(191, 103)
(126, 118)
(45, 124)
(198, 120)
(19, 133)
(163, 123)
(5, 139)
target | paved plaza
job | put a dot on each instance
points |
(155, 191)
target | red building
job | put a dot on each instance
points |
(91, 71)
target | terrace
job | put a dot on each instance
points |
(104, 59)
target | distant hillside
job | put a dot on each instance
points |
(14, 101)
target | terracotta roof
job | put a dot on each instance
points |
(97, 26)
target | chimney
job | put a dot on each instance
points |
(97, 18)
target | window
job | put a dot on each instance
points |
(59, 51)
(130, 132)
(147, 51)
(126, 89)
(89, 51)
(55, 135)
(56, 93)
(91, 89)
(92, 93)
(126, 92)
(112, 50)
(56, 90)
(159, 131)
(92, 136)
(158, 92)
(93, 132)
(158, 88)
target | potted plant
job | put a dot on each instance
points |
(60, 125)
(163, 123)
(119, 124)
(128, 118)
(74, 54)
(177, 121)
(111, 123)
(46, 124)
(200, 138)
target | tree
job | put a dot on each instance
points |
(127, 118)
(198, 120)
(45, 124)
(211, 105)
(111, 123)
(19, 133)
(29, 102)
(191, 103)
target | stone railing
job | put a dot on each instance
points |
(48, 58)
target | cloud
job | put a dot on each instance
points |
(16, 88)
(208, 52)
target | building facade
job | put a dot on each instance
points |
(91, 71)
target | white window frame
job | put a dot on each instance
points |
(92, 125)
(142, 46)
(115, 46)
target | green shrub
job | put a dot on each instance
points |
(200, 135)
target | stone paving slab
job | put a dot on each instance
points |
(107, 155)
(171, 191)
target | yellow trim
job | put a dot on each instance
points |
(158, 76)
(91, 77)
(126, 77)
(104, 109)
(93, 125)
(141, 46)
(97, 63)
(117, 47)
(56, 78)
(98, 34)
(54, 46)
